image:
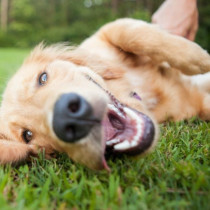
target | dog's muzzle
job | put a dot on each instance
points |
(72, 117)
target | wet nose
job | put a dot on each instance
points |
(72, 117)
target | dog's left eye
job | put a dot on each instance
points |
(27, 136)
(43, 78)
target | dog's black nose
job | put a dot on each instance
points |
(72, 117)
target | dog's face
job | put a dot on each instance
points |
(57, 105)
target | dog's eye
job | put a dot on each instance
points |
(27, 136)
(43, 78)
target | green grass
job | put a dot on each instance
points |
(175, 176)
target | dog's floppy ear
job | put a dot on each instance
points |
(12, 151)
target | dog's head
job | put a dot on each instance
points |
(55, 104)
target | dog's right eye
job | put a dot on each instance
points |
(27, 136)
(43, 78)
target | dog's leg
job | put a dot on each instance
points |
(13, 152)
(140, 38)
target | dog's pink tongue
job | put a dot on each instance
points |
(109, 130)
(106, 167)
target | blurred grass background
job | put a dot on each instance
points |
(24, 23)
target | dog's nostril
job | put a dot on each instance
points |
(70, 132)
(74, 106)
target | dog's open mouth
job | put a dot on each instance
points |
(127, 131)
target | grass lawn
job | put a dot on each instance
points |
(175, 176)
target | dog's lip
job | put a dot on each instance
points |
(133, 133)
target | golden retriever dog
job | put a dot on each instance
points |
(105, 96)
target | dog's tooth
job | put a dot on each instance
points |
(134, 143)
(139, 124)
(139, 132)
(113, 108)
(133, 115)
(123, 146)
(111, 142)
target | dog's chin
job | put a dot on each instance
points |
(126, 131)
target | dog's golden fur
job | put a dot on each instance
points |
(123, 56)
